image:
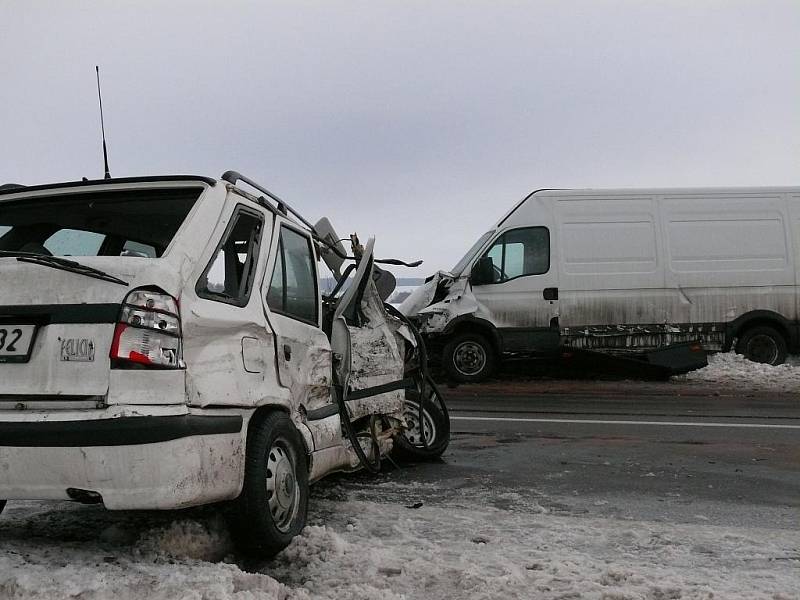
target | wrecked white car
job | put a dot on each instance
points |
(164, 343)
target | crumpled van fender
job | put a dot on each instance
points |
(477, 324)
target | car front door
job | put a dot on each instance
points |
(292, 302)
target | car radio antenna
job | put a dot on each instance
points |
(102, 124)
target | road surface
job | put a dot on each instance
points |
(654, 451)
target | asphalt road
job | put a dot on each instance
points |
(653, 451)
(659, 412)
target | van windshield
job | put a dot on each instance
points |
(138, 223)
(461, 265)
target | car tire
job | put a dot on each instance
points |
(273, 504)
(469, 358)
(409, 446)
(763, 344)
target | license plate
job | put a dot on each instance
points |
(16, 342)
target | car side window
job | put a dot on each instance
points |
(229, 276)
(293, 287)
(520, 252)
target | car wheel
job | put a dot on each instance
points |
(273, 505)
(469, 358)
(411, 446)
(763, 344)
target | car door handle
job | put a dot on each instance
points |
(287, 352)
(550, 293)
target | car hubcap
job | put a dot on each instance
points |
(414, 433)
(469, 358)
(762, 349)
(283, 492)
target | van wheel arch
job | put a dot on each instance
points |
(473, 325)
(763, 325)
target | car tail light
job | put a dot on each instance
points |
(148, 332)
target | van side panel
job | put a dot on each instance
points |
(611, 267)
(728, 254)
(640, 270)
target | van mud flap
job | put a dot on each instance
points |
(659, 364)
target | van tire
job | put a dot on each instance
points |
(273, 504)
(408, 446)
(763, 344)
(469, 358)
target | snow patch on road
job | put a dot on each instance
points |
(362, 547)
(733, 370)
(208, 540)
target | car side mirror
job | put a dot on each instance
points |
(482, 271)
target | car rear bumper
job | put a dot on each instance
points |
(169, 458)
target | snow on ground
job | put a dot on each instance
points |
(375, 542)
(733, 370)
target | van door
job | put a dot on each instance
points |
(522, 299)
(293, 308)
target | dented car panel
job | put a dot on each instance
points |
(156, 350)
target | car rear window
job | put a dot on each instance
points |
(138, 223)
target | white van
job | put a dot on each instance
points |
(163, 344)
(621, 270)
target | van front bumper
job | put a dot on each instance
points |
(134, 458)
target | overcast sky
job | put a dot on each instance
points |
(418, 122)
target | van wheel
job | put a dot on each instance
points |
(273, 505)
(469, 358)
(763, 344)
(435, 427)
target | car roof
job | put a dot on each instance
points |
(16, 189)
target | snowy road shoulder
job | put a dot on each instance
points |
(361, 548)
(733, 370)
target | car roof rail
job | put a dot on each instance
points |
(11, 186)
(281, 206)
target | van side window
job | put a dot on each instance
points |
(229, 276)
(293, 287)
(520, 252)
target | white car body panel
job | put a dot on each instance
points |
(232, 364)
(187, 471)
